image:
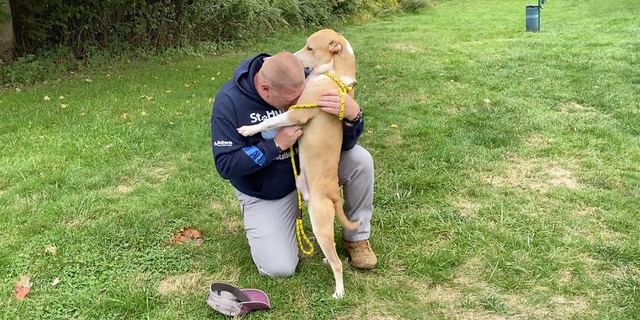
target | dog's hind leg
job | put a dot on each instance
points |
(321, 214)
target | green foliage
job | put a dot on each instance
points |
(92, 31)
(160, 24)
(413, 5)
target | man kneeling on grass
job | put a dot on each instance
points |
(259, 167)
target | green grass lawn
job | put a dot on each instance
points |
(508, 190)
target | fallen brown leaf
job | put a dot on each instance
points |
(369, 131)
(185, 234)
(23, 287)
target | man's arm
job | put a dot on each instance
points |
(351, 134)
(232, 155)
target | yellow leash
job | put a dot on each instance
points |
(300, 235)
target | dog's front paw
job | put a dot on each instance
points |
(338, 294)
(248, 130)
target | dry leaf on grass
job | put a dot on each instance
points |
(370, 131)
(52, 250)
(393, 125)
(23, 287)
(187, 233)
(55, 282)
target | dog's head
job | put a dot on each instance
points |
(323, 48)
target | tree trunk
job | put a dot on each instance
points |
(7, 38)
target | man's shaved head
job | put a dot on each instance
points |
(283, 71)
(280, 80)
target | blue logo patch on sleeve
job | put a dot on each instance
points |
(256, 155)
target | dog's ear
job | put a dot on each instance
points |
(335, 47)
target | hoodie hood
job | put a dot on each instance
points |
(244, 76)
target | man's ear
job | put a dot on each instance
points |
(335, 47)
(264, 87)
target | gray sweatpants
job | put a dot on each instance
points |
(270, 224)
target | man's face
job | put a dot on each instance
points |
(284, 98)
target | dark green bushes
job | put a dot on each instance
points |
(61, 34)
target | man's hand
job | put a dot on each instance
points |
(287, 136)
(329, 102)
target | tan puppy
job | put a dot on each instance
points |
(321, 142)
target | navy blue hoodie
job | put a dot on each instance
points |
(253, 164)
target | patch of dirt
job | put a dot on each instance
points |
(161, 174)
(560, 307)
(476, 42)
(536, 140)
(73, 223)
(470, 274)
(451, 110)
(393, 140)
(406, 47)
(440, 294)
(466, 207)
(574, 107)
(196, 282)
(468, 284)
(478, 314)
(124, 189)
(28, 200)
(215, 205)
(182, 283)
(562, 177)
(587, 211)
(593, 229)
(381, 318)
(566, 277)
(233, 224)
(537, 174)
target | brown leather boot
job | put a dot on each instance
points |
(362, 256)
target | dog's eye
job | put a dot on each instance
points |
(309, 49)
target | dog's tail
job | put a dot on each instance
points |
(346, 223)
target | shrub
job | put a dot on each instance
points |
(413, 5)
(54, 35)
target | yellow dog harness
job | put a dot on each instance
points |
(300, 235)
